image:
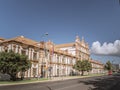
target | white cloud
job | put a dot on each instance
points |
(106, 48)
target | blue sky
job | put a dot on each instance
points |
(95, 20)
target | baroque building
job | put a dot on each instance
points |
(79, 48)
(47, 58)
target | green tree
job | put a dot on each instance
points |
(82, 66)
(108, 66)
(11, 63)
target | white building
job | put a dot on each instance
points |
(47, 58)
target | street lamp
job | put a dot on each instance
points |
(43, 63)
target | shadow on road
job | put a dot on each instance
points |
(104, 83)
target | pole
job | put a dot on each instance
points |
(44, 64)
(51, 58)
(50, 66)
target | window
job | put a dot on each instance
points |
(34, 56)
(58, 72)
(23, 52)
(70, 61)
(14, 47)
(34, 72)
(63, 59)
(6, 48)
(58, 59)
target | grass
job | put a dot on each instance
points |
(23, 81)
(89, 75)
(96, 74)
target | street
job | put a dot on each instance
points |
(92, 83)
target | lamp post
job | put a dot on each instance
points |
(44, 63)
(51, 50)
(50, 68)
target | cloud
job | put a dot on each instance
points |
(106, 48)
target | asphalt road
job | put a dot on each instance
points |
(93, 83)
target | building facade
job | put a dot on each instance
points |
(79, 48)
(97, 67)
(48, 59)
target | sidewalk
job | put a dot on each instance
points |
(49, 80)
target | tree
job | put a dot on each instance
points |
(11, 63)
(82, 66)
(108, 66)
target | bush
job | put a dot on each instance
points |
(4, 77)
